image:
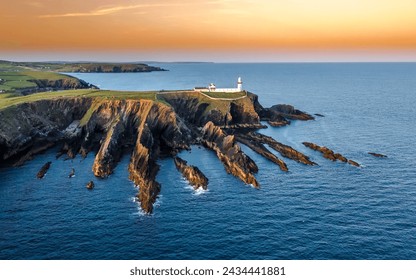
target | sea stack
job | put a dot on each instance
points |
(43, 170)
(90, 185)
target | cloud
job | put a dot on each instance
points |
(108, 10)
(227, 7)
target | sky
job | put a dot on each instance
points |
(208, 30)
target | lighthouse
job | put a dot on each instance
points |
(239, 84)
(213, 88)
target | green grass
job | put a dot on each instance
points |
(6, 66)
(40, 75)
(7, 100)
(18, 80)
(220, 105)
(94, 106)
(225, 94)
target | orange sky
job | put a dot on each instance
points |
(208, 26)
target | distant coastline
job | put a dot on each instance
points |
(25, 78)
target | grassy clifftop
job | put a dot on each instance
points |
(26, 81)
(7, 100)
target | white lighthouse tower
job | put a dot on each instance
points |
(240, 84)
(213, 88)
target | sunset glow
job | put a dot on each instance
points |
(208, 26)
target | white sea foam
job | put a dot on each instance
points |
(200, 191)
(197, 191)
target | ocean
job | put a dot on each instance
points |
(330, 211)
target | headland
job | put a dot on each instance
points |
(147, 125)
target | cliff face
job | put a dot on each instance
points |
(147, 129)
(192, 174)
(62, 84)
(223, 113)
(279, 115)
(54, 85)
(30, 128)
(230, 154)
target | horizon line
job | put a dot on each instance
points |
(205, 62)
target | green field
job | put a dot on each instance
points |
(7, 100)
(219, 104)
(18, 80)
(225, 94)
(19, 76)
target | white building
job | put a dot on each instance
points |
(213, 88)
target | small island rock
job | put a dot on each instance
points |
(90, 185)
(43, 170)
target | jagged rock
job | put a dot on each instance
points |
(192, 174)
(278, 115)
(196, 111)
(90, 185)
(110, 151)
(159, 130)
(340, 157)
(259, 148)
(230, 154)
(329, 154)
(284, 150)
(148, 129)
(288, 111)
(143, 169)
(354, 163)
(377, 155)
(37, 126)
(277, 121)
(72, 174)
(43, 170)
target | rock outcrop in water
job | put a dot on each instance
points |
(90, 185)
(257, 139)
(279, 115)
(147, 130)
(377, 155)
(259, 148)
(43, 170)
(230, 154)
(329, 154)
(193, 175)
(72, 174)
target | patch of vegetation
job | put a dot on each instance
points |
(214, 104)
(94, 106)
(6, 66)
(7, 100)
(20, 80)
(225, 94)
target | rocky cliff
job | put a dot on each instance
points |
(279, 115)
(192, 174)
(229, 152)
(66, 83)
(61, 84)
(147, 129)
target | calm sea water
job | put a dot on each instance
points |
(330, 211)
